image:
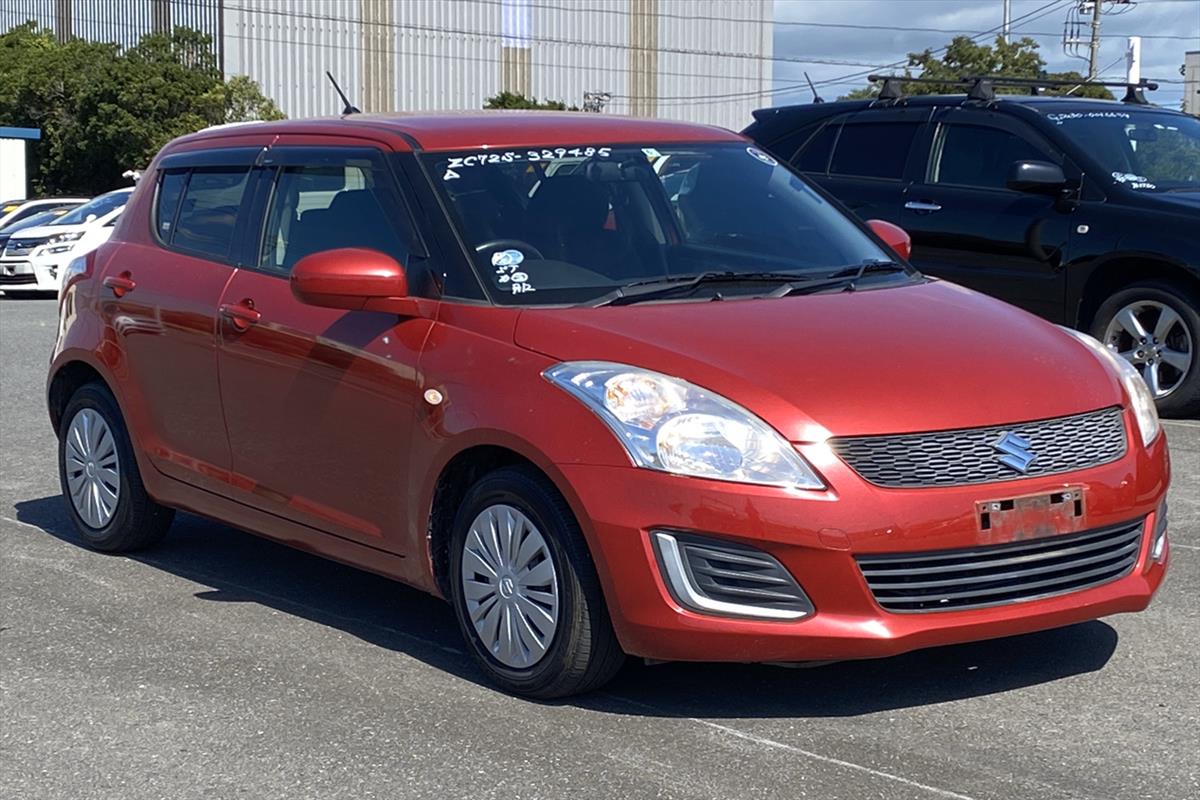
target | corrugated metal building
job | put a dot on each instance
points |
(701, 60)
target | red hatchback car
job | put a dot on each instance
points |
(609, 386)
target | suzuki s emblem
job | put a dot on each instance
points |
(1014, 452)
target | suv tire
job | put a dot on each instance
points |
(538, 583)
(99, 475)
(1183, 400)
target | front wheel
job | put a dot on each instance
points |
(525, 591)
(1156, 327)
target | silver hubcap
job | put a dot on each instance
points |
(92, 467)
(1156, 340)
(510, 586)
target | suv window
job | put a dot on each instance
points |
(873, 150)
(971, 155)
(815, 155)
(328, 206)
(208, 211)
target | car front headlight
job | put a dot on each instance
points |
(65, 237)
(1140, 399)
(670, 425)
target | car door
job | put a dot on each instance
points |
(160, 292)
(319, 402)
(969, 227)
(867, 159)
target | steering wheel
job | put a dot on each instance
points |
(511, 244)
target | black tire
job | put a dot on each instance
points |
(137, 520)
(584, 653)
(1184, 400)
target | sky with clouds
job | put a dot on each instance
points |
(891, 38)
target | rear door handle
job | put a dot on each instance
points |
(241, 315)
(921, 205)
(121, 285)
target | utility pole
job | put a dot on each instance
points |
(1094, 53)
(1007, 20)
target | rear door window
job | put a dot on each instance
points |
(873, 149)
(980, 157)
(208, 212)
(170, 189)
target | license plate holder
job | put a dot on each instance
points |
(18, 268)
(1032, 516)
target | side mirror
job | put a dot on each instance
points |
(1036, 177)
(893, 236)
(352, 278)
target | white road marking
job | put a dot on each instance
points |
(1183, 423)
(776, 745)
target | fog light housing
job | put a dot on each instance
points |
(1158, 541)
(726, 579)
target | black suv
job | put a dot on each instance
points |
(1085, 212)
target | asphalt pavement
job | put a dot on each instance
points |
(221, 665)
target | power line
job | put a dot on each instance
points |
(546, 6)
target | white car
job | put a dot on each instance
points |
(33, 259)
(16, 210)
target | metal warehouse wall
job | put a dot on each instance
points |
(699, 60)
(655, 57)
(120, 21)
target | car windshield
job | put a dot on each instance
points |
(96, 207)
(40, 218)
(563, 225)
(1144, 150)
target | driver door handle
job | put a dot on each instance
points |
(241, 315)
(921, 205)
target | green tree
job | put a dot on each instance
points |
(964, 56)
(517, 100)
(103, 110)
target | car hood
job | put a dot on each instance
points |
(43, 231)
(929, 356)
(1179, 201)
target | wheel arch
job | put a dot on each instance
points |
(461, 470)
(65, 380)
(1120, 270)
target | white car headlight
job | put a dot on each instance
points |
(1140, 398)
(673, 426)
(65, 237)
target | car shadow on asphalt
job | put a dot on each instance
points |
(242, 568)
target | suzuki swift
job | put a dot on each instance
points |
(611, 387)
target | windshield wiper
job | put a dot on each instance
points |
(846, 278)
(655, 288)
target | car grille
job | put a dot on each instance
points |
(17, 280)
(959, 457)
(952, 580)
(23, 247)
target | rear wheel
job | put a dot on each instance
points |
(1156, 327)
(525, 591)
(100, 480)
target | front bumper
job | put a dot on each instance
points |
(40, 274)
(816, 536)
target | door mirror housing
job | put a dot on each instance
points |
(352, 278)
(1036, 177)
(893, 236)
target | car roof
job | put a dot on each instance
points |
(1040, 103)
(466, 130)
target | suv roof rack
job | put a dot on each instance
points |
(982, 87)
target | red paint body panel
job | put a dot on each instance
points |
(306, 424)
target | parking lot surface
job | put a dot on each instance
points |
(223, 665)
